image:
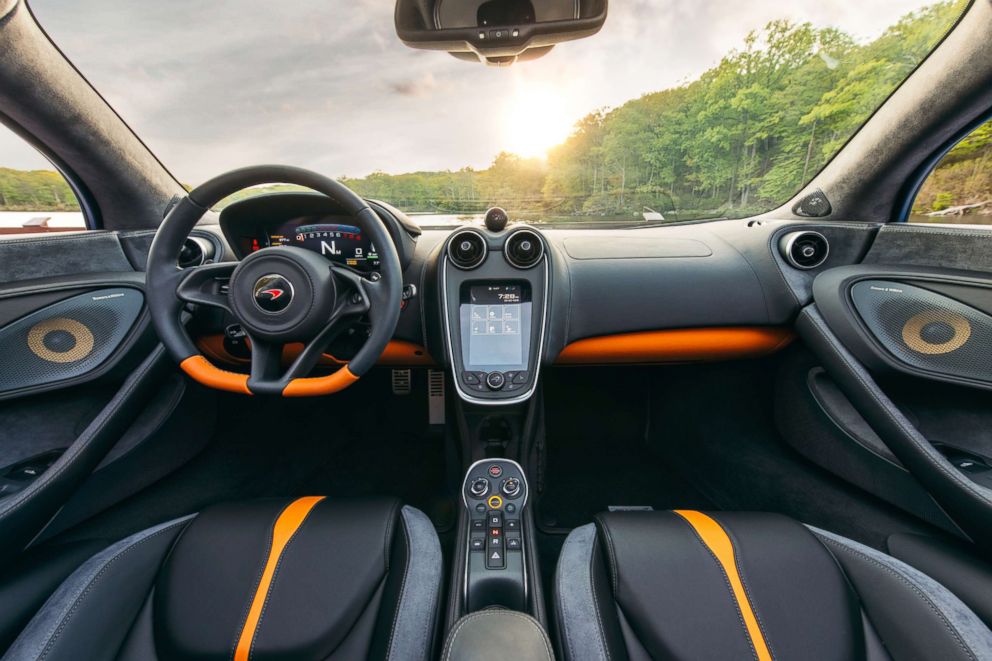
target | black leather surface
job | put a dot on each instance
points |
(661, 593)
(675, 597)
(183, 591)
(330, 573)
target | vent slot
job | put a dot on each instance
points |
(467, 249)
(524, 249)
(805, 250)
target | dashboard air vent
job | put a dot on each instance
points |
(467, 249)
(524, 248)
(805, 250)
(195, 252)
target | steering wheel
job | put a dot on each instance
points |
(278, 295)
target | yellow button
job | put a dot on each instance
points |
(495, 502)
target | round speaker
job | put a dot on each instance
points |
(936, 332)
(60, 340)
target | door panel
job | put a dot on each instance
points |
(91, 410)
(908, 345)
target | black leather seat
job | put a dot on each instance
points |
(306, 579)
(688, 585)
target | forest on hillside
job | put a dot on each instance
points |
(35, 190)
(740, 139)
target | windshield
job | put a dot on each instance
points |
(676, 110)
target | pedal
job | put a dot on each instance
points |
(401, 382)
(435, 396)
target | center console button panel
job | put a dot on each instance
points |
(495, 573)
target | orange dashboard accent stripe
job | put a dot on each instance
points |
(718, 542)
(286, 525)
(678, 345)
(407, 354)
(320, 385)
(202, 370)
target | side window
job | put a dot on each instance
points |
(34, 197)
(959, 190)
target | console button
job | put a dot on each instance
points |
(495, 380)
(513, 524)
(521, 377)
(509, 376)
(478, 544)
(511, 487)
(495, 519)
(479, 487)
(478, 524)
(510, 386)
(510, 508)
(495, 559)
(495, 502)
(495, 471)
(481, 508)
(513, 544)
(470, 378)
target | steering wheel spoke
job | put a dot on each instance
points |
(206, 285)
(266, 360)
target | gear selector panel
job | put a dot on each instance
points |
(495, 495)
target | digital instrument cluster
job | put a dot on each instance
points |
(334, 238)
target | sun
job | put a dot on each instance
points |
(535, 120)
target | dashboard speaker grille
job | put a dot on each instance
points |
(925, 329)
(67, 339)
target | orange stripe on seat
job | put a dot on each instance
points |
(716, 540)
(285, 527)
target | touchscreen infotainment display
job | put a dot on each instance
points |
(495, 326)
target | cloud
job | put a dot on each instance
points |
(327, 85)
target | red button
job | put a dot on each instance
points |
(495, 471)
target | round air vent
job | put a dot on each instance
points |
(467, 249)
(195, 252)
(523, 249)
(805, 250)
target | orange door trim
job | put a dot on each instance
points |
(677, 345)
(716, 539)
(286, 525)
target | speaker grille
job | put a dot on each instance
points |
(926, 330)
(68, 339)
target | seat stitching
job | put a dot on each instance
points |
(64, 622)
(595, 599)
(726, 582)
(614, 570)
(947, 625)
(272, 584)
(255, 584)
(560, 604)
(747, 589)
(909, 431)
(406, 573)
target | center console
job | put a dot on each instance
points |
(494, 295)
(495, 497)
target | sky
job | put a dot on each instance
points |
(327, 85)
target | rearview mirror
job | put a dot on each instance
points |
(496, 32)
